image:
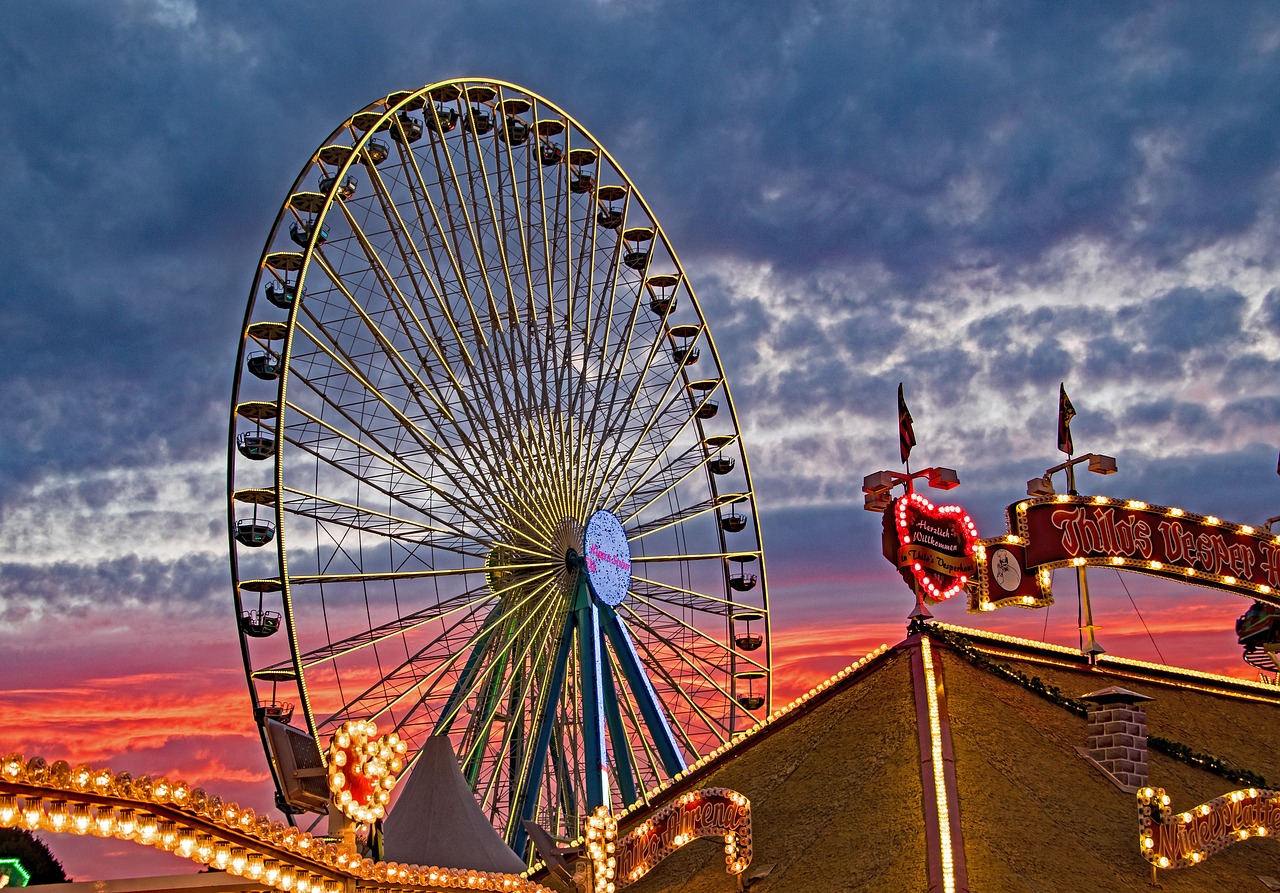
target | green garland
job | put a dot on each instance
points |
(1217, 766)
(1175, 749)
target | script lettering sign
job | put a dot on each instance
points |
(932, 545)
(1070, 531)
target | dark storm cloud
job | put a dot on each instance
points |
(1185, 318)
(1271, 310)
(188, 586)
(990, 137)
(862, 158)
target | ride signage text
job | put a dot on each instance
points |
(1167, 542)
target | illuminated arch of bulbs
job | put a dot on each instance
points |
(192, 824)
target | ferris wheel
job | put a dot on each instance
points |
(486, 476)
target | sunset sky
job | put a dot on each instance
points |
(980, 200)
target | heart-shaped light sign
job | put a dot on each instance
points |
(364, 769)
(935, 544)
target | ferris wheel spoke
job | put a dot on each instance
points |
(469, 599)
(615, 419)
(498, 215)
(445, 225)
(663, 429)
(457, 497)
(661, 482)
(690, 599)
(399, 304)
(467, 222)
(672, 414)
(607, 369)
(465, 513)
(638, 355)
(468, 682)
(414, 384)
(710, 641)
(605, 258)
(548, 261)
(432, 273)
(539, 459)
(394, 685)
(662, 383)
(406, 678)
(423, 574)
(705, 556)
(369, 394)
(367, 520)
(686, 513)
(691, 661)
(416, 270)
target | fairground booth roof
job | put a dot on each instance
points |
(982, 736)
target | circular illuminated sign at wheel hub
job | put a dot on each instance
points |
(607, 558)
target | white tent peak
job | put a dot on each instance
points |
(437, 821)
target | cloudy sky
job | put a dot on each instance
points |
(980, 200)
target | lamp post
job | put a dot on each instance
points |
(878, 488)
(1043, 486)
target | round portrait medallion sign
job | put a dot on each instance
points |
(607, 556)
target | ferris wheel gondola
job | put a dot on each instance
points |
(486, 465)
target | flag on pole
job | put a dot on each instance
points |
(1278, 465)
(906, 434)
(1067, 412)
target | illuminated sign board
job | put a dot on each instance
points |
(607, 557)
(1180, 840)
(931, 545)
(1074, 531)
(13, 873)
(717, 813)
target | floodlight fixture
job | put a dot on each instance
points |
(880, 480)
(1100, 464)
(942, 478)
(877, 501)
(1040, 487)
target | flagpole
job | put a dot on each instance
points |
(1088, 629)
(906, 440)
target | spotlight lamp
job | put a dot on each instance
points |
(1098, 464)
(1040, 487)
(942, 478)
(878, 486)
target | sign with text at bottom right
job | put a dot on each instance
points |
(1071, 531)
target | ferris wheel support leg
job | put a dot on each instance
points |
(463, 685)
(638, 680)
(588, 621)
(546, 723)
(618, 738)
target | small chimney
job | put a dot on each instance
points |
(1118, 734)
